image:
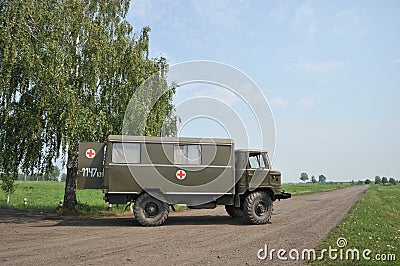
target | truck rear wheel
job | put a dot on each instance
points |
(150, 211)
(233, 211)
(257, 207)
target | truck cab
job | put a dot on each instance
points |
(254, 171)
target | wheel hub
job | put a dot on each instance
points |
(261, 208)
(151, 209)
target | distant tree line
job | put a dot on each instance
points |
(321, 178)
(378, 180)
(53, 175)
(384, 180)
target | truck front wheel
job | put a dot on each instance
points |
(150, 211)
(257, 207)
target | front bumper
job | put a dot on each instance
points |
(282, 195)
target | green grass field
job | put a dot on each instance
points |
(45, 196)
(300, 189)
(373, 223)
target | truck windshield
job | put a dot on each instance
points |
(256, 160)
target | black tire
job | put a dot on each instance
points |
(257, 208)
(233, 211)
(150, 211)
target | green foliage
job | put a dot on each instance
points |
(367, 181)
(54, 174)
(313, 180)
(68, 70)
(321, 179)
(378, 180)
(373, 223)
(392, 181)
(8, 185)
(304, 177)
(384, 180)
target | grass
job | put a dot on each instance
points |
(45, 196)
(301, 189)
(373, 223)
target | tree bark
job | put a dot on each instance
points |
(70, 183)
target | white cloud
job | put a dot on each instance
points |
(189, 21)
(304, 18)
(201, 90)
(346, 21)
(149, 11)
(220, 12)
(221, 94)
(321, 67)
(141, 9)
(278, 102)
(251, 93)
(280, 13)
(311, 29)
(306, 101)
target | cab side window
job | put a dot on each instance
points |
(256, 161)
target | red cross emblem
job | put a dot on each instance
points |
(180, 174)
(90, 153)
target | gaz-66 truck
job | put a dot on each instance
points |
(154, 173)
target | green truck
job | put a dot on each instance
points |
(157, 172)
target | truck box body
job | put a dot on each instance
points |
(137, 163)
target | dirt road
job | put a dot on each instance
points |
(195, 237)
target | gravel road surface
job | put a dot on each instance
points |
(194, 237)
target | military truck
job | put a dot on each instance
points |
(154, 173)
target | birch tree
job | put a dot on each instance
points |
(67, 72)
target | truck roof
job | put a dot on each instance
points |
(149, 139)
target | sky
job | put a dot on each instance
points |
(330, 71)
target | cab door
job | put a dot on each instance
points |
(257, 170)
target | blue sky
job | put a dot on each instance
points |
(329, 69)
